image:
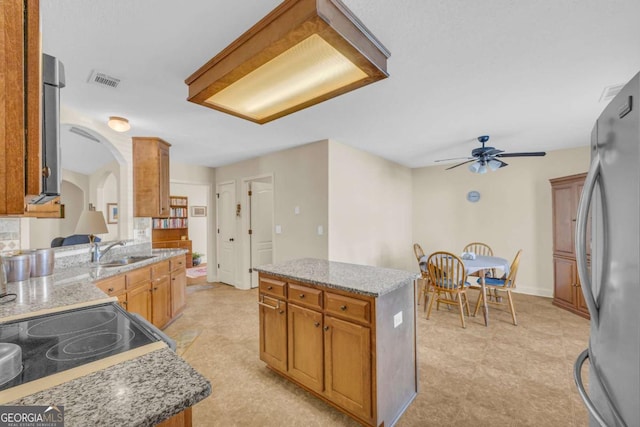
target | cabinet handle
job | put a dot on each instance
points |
(281, 311)
(155, 289)
(326, 328)
(124, 303)
(343, 307)
(269, 288)
(301, 296)
(173, 278)
(276, 307)
(316, 324)
(110, 290)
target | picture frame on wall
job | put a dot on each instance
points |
(198, 211)
(112, 213)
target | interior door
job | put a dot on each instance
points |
(261, 225)
(226, 232)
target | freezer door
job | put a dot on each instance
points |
(615, 335)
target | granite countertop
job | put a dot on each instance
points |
(131, 393)
(142, 391)
(69, 286)
(360, 279)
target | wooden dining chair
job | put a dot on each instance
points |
(448, 282)
(423, 287)
(504, 284)
(482, 249)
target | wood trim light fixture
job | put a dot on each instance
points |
(302, 53)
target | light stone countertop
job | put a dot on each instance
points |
(360, 279)
(139, 392)
(69, 286)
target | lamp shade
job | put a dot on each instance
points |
(91, 222)
(302, 53)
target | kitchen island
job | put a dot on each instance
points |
(344, 332)
(141, 387)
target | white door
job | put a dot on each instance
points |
(261, 226)
(226, 232)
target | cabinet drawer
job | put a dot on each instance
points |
(273, 287)
(177, 263)
(160, 269)
(112, 286)
(305, 295)
(347, 307)
(137, 276)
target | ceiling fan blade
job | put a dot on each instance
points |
(460, 164)
(492, 152)
(502, 164)
(455, 158)
(530, 154)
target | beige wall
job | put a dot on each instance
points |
(300, 179)
(370, 209)
(514, 211)
(198, 195)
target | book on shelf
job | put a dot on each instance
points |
(178, 212)
(165, 223)
(174, 201)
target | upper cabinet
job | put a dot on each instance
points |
(151, 177)
(20, 174)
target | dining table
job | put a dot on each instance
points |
(480, 264)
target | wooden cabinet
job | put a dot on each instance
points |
(178, 285)
(173, 231)
(160, 294)
(20, 89)
(156, 292)
(273, 324)
(321, 340)
(567, 293)
(151, 177)
(305, 341)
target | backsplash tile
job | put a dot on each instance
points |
(9, 235)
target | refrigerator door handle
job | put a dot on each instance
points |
(577, 377)
(581, 237)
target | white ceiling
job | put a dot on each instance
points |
(530, 74)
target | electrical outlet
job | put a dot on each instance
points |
(278, 229)
(397, 319)
(296, 210)
(320, 230)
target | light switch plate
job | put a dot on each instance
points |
(397, 319)
(320, 230)
(296, 210)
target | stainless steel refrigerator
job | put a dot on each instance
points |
(611, 278)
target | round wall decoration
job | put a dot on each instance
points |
(473, 196)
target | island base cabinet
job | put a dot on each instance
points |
(348, 366)
(305, 347)
(273, 332)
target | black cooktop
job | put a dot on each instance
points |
(64, 340)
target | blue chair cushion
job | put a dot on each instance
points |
(78, 239)
(448, 284)
(492, 281)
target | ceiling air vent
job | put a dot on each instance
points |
(610, 92)
(83, 133)
(102, 79)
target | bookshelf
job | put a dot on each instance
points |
(173, 232)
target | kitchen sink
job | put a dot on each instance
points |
(128, 260)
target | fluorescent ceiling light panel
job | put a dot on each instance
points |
(302, 53)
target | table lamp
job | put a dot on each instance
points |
(92, 223)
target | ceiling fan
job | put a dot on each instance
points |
(484, 158)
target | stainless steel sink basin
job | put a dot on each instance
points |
(120, 262)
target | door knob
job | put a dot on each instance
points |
(231, 239)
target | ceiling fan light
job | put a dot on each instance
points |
(477, 167)
(494, 164)
(119, 124)
(302, 53)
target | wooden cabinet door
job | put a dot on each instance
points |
(122, 300)
(178, 291)
(161, 301)
(163, 184)
(273, 332)
(305, 346)
(139, 300)
(564, 215)
(347, 366)
(564, 279)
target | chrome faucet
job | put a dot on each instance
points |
(97, 253)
